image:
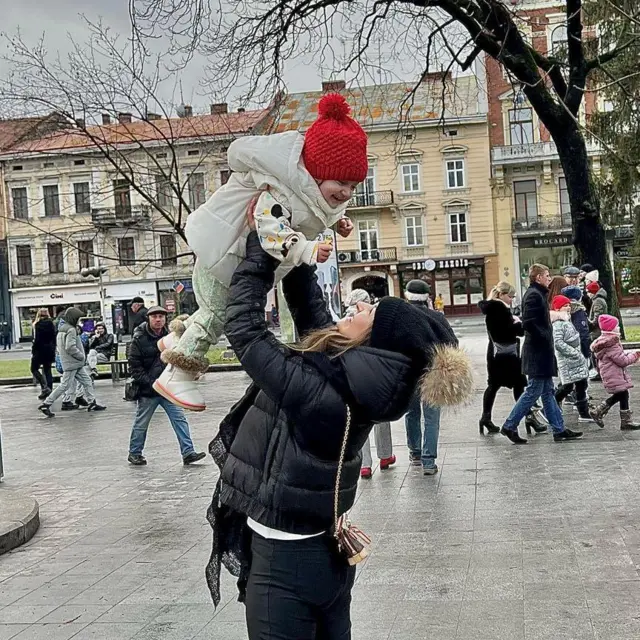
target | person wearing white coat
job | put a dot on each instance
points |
(289, 187)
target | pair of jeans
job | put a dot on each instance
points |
(537, 388)
(146, 407)
(45, 379)
(419, 444)
(69, 379)
(298, 590)
(384, 446)
(622, 397)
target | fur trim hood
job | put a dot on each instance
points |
(605, 341)
(449, 381)
(559, 316)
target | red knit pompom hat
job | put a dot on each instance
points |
(558, 302)
(335, 146)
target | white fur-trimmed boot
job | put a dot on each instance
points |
(176, 329)
(177, 383)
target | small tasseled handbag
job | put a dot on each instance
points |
(353, 544)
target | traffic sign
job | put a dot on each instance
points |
(178, 287)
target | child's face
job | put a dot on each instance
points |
(336, 192)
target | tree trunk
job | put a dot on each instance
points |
(588, 231)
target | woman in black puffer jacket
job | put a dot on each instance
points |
(273, 509)
(43, 351)
(504, 365)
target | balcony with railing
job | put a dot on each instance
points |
(47, 280)
(121, 216)
(367, 256)
(534, 226)
(517, 153)
(371, 200)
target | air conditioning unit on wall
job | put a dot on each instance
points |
(343, 256)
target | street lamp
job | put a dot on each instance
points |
(96, 272)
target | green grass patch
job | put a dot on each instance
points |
(632, 334)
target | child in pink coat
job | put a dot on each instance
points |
(613, 361)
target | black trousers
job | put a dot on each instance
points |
(581, 391)
(490, 393)
(622, 397)
(45, 380)
(298, 590)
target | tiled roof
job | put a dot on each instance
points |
(379, 105)
(16, 130)
(161, 130)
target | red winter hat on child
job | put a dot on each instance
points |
(607, 323)
(335, 146)
(593, 287)
(558, 302)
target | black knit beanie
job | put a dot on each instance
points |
(409, 329)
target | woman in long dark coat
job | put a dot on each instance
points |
(43, 351)
(504, 366)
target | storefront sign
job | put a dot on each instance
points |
(51, 297)
(170, 305)
(545, 241)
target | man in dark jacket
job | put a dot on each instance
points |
(145, 367)
(138, 313)
(100, 347)
(423, 447)
(538, 361)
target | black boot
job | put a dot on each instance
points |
(46, 409)
(46, 392)
(194, 456)
(81, 402)
(626, 421)
(567, 434)
(514, 436)
(94, 406)
(487, 423)
(531, 423)
(137, 460)
(68, 406)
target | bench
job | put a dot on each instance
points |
(119, 369)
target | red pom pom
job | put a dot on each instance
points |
(334, 106)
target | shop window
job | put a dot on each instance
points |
(51, 199)
(126, 251)
(565, 206)
(526, 201)
(168, 250)
(56, 261)
(410, 177)
(20, 203)
(365, 191)
(521, 125)
(82, 197)
(458, 227)
(368, 238)
(197, 195)
(455, 174)
(85, 254)
(122, 198)
(413, 225)
(23, 255)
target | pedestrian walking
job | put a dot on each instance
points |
(579, 318)
(504, 366)
(598, 297)
(289, 451)
(145, 367)
(439, 304)
(138, 313)
(538, 361)
(43, 351)
(384, 450)
(5, 335)
(573, 367)
(422, 444)
(74, 360)
(613, 361)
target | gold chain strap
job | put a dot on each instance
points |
(343, 452)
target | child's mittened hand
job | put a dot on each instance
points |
(324, 251)
(345, 227)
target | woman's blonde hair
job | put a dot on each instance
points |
(42, 312)
(501, 289)
(330, 341)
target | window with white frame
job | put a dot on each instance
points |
(559, 41)
(82, 197)
(365, 191)
(455, 173)
(56, 258)
(415, 234)
(521, 125)
(458, 227)
(197, 194)
(368, 239)
(23, 260)
(410, 177)
(526, 201)
(20, 203)
(565, 205)
(51, 199)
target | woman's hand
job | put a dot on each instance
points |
(324, 251)
(345, 227)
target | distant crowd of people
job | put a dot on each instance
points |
(568, 335)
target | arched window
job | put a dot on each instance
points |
(559, 40)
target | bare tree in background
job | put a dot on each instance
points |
(251, 41)
(107, 95)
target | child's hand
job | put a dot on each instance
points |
(324, 251)
(345, 227)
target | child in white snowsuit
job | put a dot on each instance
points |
(292, 187)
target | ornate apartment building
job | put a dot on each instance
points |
(425, 209)
(68, 205)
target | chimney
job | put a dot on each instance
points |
(106, 118)
(218, 108)
(124, 118)
(330, 86)
(241, 109)
(149, 116)
(188, 110)
(80, 123)
(435, 76)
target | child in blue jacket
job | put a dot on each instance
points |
(579, 318)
